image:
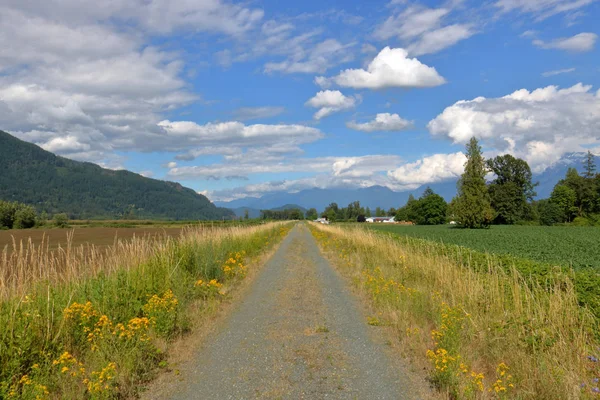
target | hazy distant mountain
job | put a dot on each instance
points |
(50, 183)
(558, 170)
(255, 213)
(379, 196)
(374, 196)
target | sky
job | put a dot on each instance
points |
(238, 99)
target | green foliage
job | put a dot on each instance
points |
(54, 184)
(549, 213)
(312, 214)
(283, 215)
(472, 207)
(16, 215)
(430, 209)
(511, 189)
(61, 220)
(565, 198)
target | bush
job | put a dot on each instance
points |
(25, 217)
(581, 221)
(61, 220)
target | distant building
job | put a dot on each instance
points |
(322, 221)
(381, 220)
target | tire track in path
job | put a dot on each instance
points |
(298, 334)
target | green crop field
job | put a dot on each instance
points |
(559, 245)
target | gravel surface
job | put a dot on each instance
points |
(298, 334)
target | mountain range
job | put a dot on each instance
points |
(53, 184)
(379, 196)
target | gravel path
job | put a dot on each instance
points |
(298, 334)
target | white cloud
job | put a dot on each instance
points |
(247, 113)
(390, 68)
(171, 164)
(422, 30)
(557, 72)
(184, 134)
(439, 39)
(147, 173)
(525, 123)
(382, 122)
(579, 43)
(435, 168)
(342, 168)
(317, 59)
(331, 101)
(542, 9)
(154, 16)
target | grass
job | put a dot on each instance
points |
(488, 333)
(89, 323)
(558, 245)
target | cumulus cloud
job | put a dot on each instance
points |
(435, 168)
(331, 101)
(390, 68)
(526, 123)
(422, 29)
(382, 122)
(558, 72)
(579, 43)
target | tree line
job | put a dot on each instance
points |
(15, 215)
(506, 200)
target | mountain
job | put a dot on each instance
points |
(374, 196)
(379, 196)
(84, 190)
(255, 213)
(558, 170)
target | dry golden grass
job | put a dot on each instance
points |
(473, 323)
(27, 261)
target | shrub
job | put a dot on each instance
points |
(61, 220)
(25, 217)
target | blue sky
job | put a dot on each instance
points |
(237, 99)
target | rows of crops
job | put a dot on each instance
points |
(560, 245)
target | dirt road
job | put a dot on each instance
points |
(298, 334)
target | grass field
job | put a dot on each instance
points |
(482, 330)
(558, 245)
(93, 322)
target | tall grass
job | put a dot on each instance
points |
(485, 333)
(86, 322)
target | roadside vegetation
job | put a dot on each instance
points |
(484, 330)
(90, 323)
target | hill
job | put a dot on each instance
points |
(84, 190)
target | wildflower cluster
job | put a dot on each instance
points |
(234, 266)
(95, 328)
(209, 288)
(102, 380)
(67, 364)
(27, 388)
(383, 289)
(503, 381)
(162, 313)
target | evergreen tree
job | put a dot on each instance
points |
(368, 213)
(590, 165)
(472, 206)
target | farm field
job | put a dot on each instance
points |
(99, 237)
(559, 245)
